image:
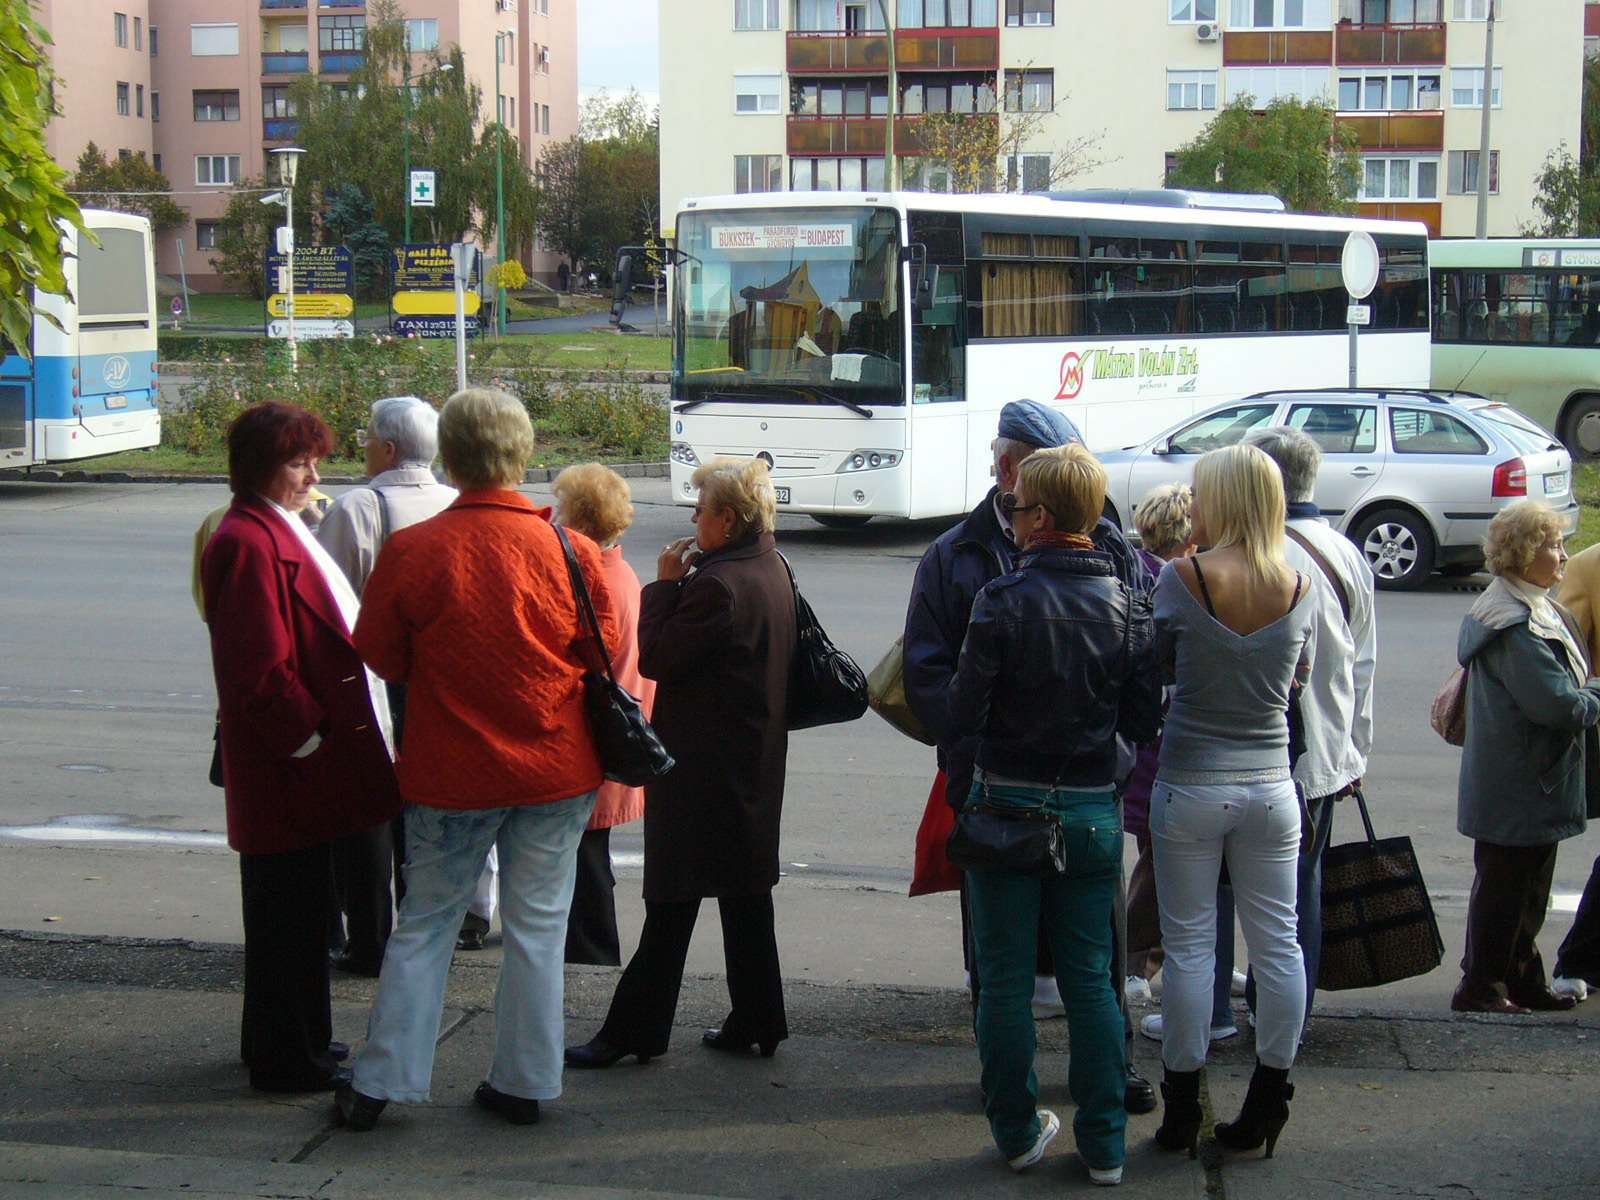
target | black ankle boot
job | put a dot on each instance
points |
(1265, 1111)
(1180, 1118)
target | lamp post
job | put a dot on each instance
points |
(405, 127)
(499, 190)
(288, 170)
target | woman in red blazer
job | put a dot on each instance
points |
(305, 755)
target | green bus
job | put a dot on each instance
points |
(1518, 320)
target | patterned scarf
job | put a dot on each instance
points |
(1064, 541)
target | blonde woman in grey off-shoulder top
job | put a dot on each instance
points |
(1233, 631)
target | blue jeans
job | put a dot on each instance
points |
(1075, 909)
(445, 853)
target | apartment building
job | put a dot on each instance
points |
(778, 95)
(201, 87)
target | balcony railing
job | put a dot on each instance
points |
(285, 64)
(338, 63)
(947, 50)
(1426, 211)
(280, 129)
(1408, 131)
(1251, 46)
(1363, 44)
(283, 3)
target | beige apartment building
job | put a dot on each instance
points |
(201, 87)
(792, 95)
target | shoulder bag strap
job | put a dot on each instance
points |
(1300, 540)
(383, 513)
(580, 590)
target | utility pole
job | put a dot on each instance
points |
(499, 191)
(891, 166)
(1483, 134)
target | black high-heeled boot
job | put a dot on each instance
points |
(1181, 1116)
(1265, 1111)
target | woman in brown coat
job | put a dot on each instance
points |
(717, 633)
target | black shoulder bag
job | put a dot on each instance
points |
(825, 684)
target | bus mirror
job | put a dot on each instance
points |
(925, 286)
(619, 294)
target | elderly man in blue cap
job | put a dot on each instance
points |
(952, 572)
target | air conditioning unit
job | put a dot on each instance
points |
(505, 5)
(1207, 31)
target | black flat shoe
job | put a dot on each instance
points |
(516, 1109)
(1544, 1000)
(1138, 1097)
(357, 1113)
(354, 964)
(338, 1051)
(335, 1078)
(721, 1039)
(596, 1055)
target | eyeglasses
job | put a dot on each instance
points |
(1008, 501)
(361, 438)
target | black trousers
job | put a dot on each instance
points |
(646, 999)
(1504, 916)
(592, 937)
(363, 872)
(283, 1036)
(1579, 956)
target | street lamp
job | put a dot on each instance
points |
(499, 190)
(288, 170)
(406, 129)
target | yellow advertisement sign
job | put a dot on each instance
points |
(316, 304)
(431, 304)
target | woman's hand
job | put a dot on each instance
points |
(676, 559)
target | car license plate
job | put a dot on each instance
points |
(1555, 485)
(783, 494)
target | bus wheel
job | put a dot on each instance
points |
(1398, 544)
(1580, 428)
(839, 520)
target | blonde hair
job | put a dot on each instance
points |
(594, 500)
(1067, 480)
(1240, 493)
(745, 486)
(485, 439)
(1162, 519)
(1515, 535)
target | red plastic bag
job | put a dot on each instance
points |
(933, 872)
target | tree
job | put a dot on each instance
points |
(33, 202)
(349, 221)
(990, 151)
(129, 183)
(1294, 150)
(244, 235)
(1567, 200)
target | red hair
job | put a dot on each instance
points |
(265, 436)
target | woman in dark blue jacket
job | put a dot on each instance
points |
(1058, 659)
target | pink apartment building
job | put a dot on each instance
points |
(202, 86)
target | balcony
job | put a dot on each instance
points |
(280, 63)
(280, 129)
(1261, 46)
(1366, 45)
(1397, 131)
(1426, 211)
(283, 4)
(946, 50)
(338, 62)
(341, 3)
(816, 136)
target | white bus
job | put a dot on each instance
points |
(1518, 320)
(89, 387)
(863, 344)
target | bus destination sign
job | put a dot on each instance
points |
(783, 237)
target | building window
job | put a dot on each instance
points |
(756, 93)
(1028, 172)
(155, 48)
(1266, 84)
(1478, 10)
(1399, 178)
(138, 99)
(122, 99)
(293, 39)
(542, 60)
(1279, 14)
(119, 28)
(1033, 12)
(755, 14)
(155, 159)
(505, 47)
(1466, 87)
(275, 101)
(205, 235)
(836, 174)
(544, 113)
(216, 106)
(1030, 91)
(1463, 168)
(842, 98)
(422, 35)
(1390, 12)
(138, 33)
(1183, 12)
(937, 14)
(341, 35)
(213, 40)
(216, 168)
(1392, 92)
(155, 106)
(758, 173)
(1191, 89)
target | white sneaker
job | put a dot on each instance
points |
(1137, 987)
(1576, 988)
(1152, 1027)
(1108, 1177)
(1049, 1126)
(1047, 999)
(1237, 987)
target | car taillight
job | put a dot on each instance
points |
(1510, 479)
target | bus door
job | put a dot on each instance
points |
(937, 428)
(1352, 459)
(16, 401)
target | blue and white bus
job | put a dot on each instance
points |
(89, 388)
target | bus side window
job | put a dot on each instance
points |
(938, 342)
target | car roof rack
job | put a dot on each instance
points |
(1432, 395)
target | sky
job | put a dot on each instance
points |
(617, 47)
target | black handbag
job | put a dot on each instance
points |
(630, 750)
(1023, 839)
(1377, 921)
(825, 684)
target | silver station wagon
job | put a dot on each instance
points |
(1412, 477)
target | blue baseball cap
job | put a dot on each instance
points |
(1037, 424)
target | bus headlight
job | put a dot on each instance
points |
(868, 460)
(684, 453)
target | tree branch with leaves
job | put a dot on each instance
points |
(1293, 149)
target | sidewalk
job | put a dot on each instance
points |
(118, 1078)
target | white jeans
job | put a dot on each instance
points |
(445, 851)
(1255, 827)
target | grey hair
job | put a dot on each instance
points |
(1017, 450)
(1298, 457)
(411, 423)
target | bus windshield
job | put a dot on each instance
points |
(792, 305)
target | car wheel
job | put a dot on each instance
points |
(1399, 547)
(1580, 429)
(839, 520)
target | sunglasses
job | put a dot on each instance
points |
(1008, 501)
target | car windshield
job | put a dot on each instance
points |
(1222, 428)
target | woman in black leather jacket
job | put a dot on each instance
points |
(1058, 659)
